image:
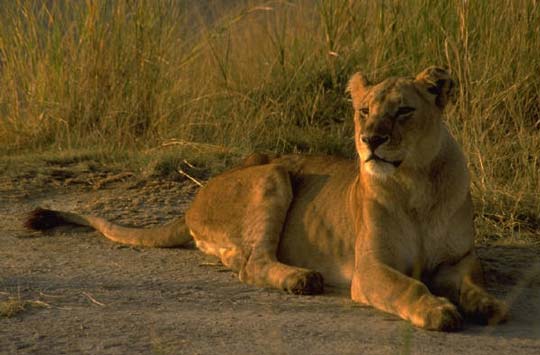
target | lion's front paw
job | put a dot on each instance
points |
(486, 309)
(441, 316)
(304, 283)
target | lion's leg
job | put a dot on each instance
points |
(387, 289)
(268, 272)
(239, 218)
(268, 205)
(461, 283)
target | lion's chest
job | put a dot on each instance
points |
(441, 243)
(435, 220)
(442, 234)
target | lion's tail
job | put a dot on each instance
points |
(172, 234)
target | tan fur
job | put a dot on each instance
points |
(396, 229)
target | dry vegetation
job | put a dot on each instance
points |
(129, 76)
(13, 306)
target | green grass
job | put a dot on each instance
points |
(128, 77)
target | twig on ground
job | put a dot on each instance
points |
(93, 300)
(211, 264)
(39, 304)
(189, 164)
(47, 295)
(194, 145)
(183, 173)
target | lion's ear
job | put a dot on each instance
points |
(358, 86)
(438, 82)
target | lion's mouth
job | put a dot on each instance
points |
(395, 163)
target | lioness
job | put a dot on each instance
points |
(395, 226)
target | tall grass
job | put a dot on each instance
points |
(253, 75)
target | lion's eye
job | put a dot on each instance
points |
(364, 111)
(404, 111)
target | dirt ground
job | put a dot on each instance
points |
(97, 297)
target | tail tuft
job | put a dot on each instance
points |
(42, 219)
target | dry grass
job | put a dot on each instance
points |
(270, 75)
(15, 306)
(11, 307)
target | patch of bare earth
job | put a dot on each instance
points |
(97, 297)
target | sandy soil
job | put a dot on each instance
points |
(102, 298)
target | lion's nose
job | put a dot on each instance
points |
(374, 141)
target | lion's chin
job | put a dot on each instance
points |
(379, 169)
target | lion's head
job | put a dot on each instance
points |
(398, 121)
